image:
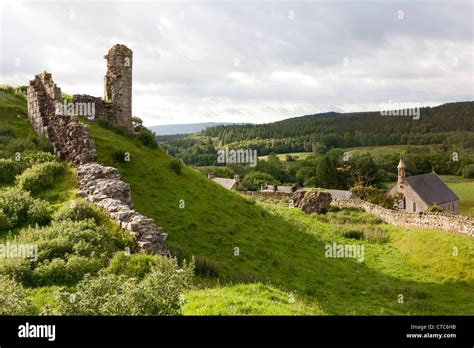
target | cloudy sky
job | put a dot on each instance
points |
(248, 61)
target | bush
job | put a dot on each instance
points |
(158, 293)
(468, 171)
(64, 272)
(206, 267)
(253, 181)
(351, 233)
(18, 207)
(434, 209)
(78, 210)
(32, 157)
(67, 250)
(176, 166)
(13, 298)
(374, 234)
(8, 170)
(132, 265)
(119, 156)
(374, 195)
(39, 177)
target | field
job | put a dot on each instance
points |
(260, 259)
(464, 189)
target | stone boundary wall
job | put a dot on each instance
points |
(439, 221)
(267, 195)
(98, 184)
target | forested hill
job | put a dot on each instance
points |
(355, 129)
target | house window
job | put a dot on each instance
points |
(414, 207)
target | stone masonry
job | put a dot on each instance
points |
(118, 85)
(69, 137)
(439, 221)
(100, 185)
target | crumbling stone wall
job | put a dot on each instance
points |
(439, 221)
(98, 184)
(118, 85)
(102, 109)
(69, 137)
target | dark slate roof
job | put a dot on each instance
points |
(431, 188)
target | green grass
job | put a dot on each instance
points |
(281, 251)
(285, 248)
(245, 299)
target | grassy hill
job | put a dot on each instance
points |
(256, 258)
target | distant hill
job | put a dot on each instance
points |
(452, 122)
(186, 128)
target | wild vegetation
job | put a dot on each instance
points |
(251, 258)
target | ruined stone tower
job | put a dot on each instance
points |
(118, 85)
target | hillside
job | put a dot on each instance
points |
(452, 123)
(186, 128)
(280, 265)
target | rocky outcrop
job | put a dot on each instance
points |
(312, 201)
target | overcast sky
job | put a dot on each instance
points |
(248, 61)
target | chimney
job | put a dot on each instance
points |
(401, 171)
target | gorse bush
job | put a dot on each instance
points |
(8, 170)
(18, 207)
(13, 298)
(78, 210)
(39, 177)
(160, 292)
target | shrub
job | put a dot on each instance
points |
(351, 233)
(252, 181)
(39, 177)
(18, 207)
(13, 298)
(67, 250)
(32, 157)
(206, 267)
(119, 156)
(132, 265)
(176, 166)
(468, 171)
(8, 170)
(374, 234)
(374, 195)
(434, 209)
(77, 210)
(64, 272)
(158, 293)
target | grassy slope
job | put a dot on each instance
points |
(279, 247)
(282, 247)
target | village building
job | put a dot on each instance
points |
(230, 184)
(420, 192)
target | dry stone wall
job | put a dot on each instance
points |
(99, 185)
(439, 221)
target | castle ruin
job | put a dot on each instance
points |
(98, 184)
(118, 85)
